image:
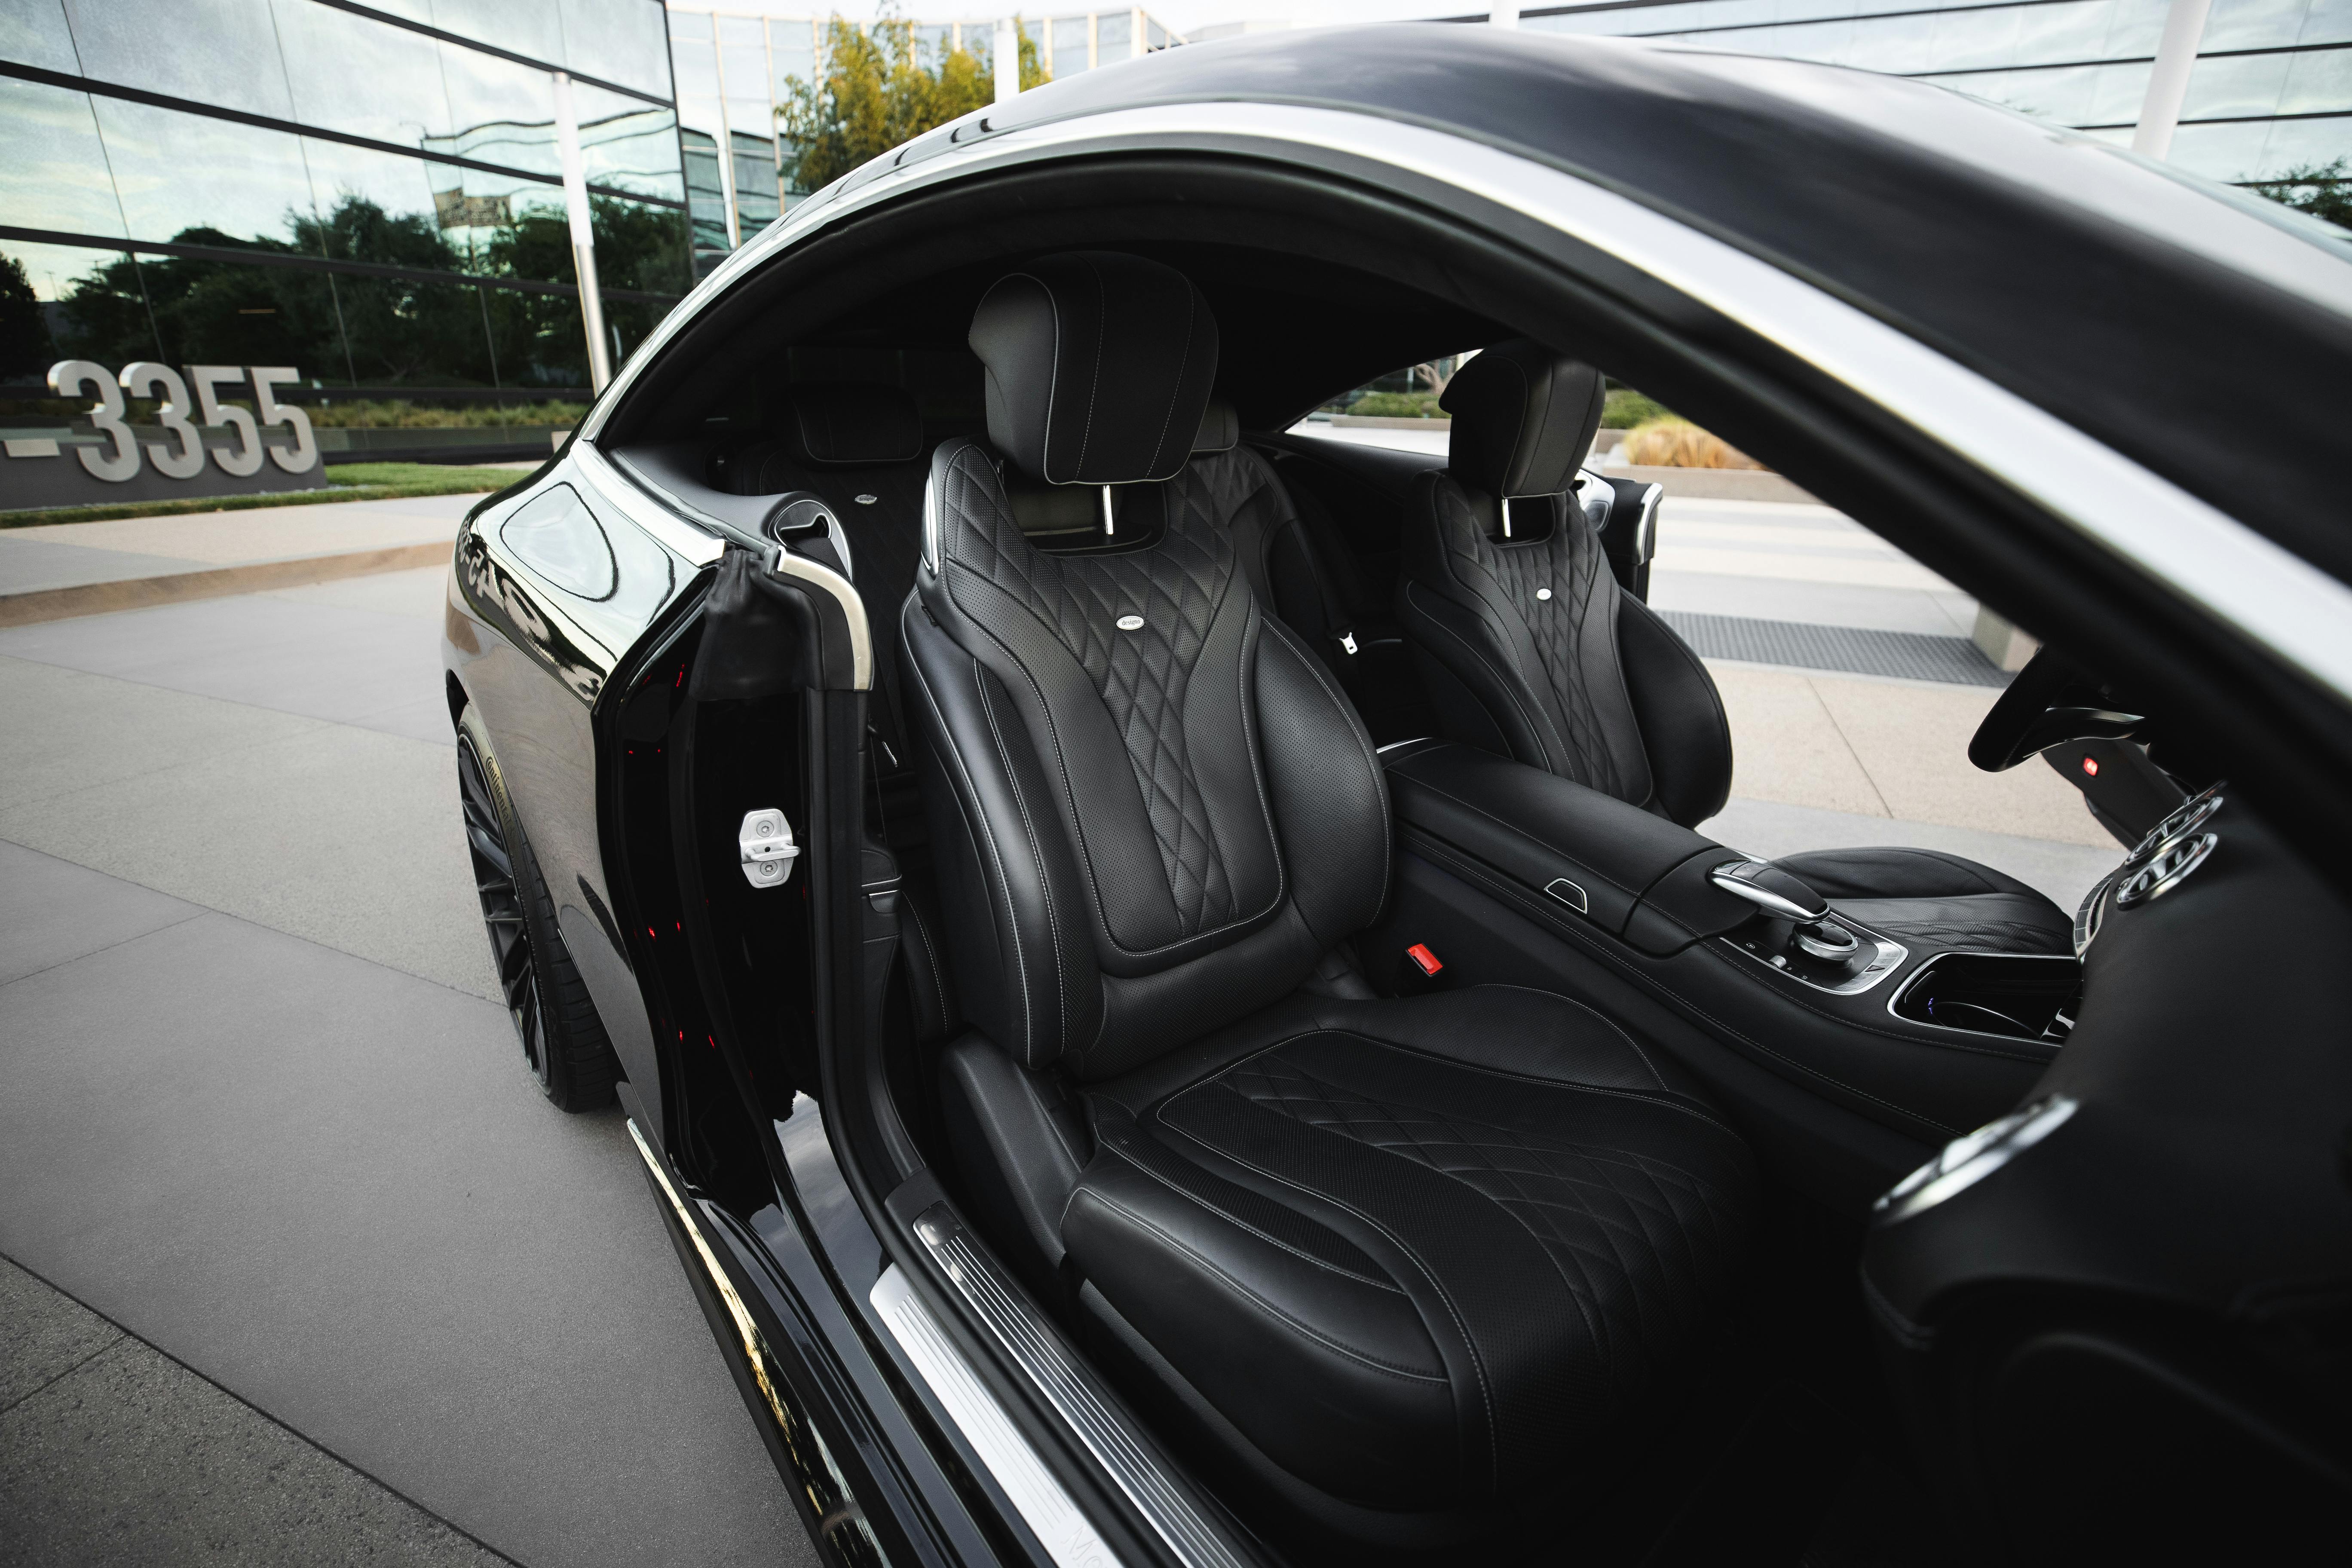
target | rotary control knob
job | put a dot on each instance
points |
(1827, 939)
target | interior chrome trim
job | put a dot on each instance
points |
(2199, 554)
(654, 510)
(1885, 961)
(2170, 868)
(1930, 962)
(2093, 913)
(1569, 893)
(1059, 1524)
(1038, 1350)
(1967, 1161)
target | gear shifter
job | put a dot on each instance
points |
(1772, 890)
(1819, 948)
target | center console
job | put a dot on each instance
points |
(1851, 1049)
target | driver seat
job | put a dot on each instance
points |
(1530, 649)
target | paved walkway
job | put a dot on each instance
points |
(75, 554)
(263, 1118)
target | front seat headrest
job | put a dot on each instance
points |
(1220, 428)
(855, 423)
(1523, 419)
(1098, 366)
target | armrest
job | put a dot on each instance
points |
(1589, 853)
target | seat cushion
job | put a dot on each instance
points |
(1935, 901)
(1421, 1253)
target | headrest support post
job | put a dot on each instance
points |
(1523, 419)
(1110, 518)
(1098, 367)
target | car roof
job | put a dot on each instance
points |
(2200, 331)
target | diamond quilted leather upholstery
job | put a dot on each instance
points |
(1399, 1264)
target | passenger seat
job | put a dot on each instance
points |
(1530, 649)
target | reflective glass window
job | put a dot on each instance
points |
(215, 182)
(2252, 23)
(2235, 86)
(366, 77)
(2223, 151)
(627, 143)
(54, 175)
(2117, 93)
(978, 39)
(697, 67)
(2317, 82)
(2296, 144)
(529, 28)
(1975, 37)
(1113, 35)
(221, 52)
(100, 309)
(2064, 34)
(932, 42)
(1155, 35)
(1896, 44)
(699, 112)
(733, 30)
(350, 186)
(744, 69)
(34, 33)
(2326, 22)
(1826, 41)
(1070, 45)
(2136, 26)
(619, 40)
(499, 111)
(693, 24)
(792, 53)
(638, 246)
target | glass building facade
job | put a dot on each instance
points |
(2271, 95)
(371, 192)
(733, 70)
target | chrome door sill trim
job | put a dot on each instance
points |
(1059, 1524)
(1038, 1350)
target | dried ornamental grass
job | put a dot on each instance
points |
(1679, 444)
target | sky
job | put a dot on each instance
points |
(1181, 14)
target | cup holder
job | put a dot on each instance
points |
(2015, 995)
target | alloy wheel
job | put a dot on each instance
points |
(495, 880)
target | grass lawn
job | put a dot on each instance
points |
(345, 481)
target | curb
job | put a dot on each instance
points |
(178, 587)
(1716, 484)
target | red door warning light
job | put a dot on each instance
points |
(2091, 767)
(1423, 960)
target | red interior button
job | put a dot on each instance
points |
(1420, 955)
(2090, 766)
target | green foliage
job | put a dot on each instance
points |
(351, 481)
(1396, 405)
(25, 347)
(875, 92)
(2322, 190)
(400, 414)
(1623, 408)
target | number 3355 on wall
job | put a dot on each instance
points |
(180, 454)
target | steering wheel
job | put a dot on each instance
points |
(2042, 708)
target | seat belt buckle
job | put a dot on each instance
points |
(1419, 970)
(1423, 960)
(1346, 637)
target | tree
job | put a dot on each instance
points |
(2323, 190)
(874, 92)
(24, 347)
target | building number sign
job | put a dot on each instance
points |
(181, 455)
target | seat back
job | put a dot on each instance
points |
(1527, 645)
(1152, 807)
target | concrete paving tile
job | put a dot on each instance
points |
(421, 594)
(52, 912)
(68, 730)
(1912, 739)
(132, 1460)
(1768, 828)
(28, 565)
(1868, 570)
(336, 1191)
(348, 836)
(44, 1334)
(1784, 745)
(420, 719)
(266, 533)
(1928, 613)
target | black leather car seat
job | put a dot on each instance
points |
(1530, 649)
(1393, 1267)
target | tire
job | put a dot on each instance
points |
(562, 1039)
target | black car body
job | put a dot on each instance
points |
(2116, 1316)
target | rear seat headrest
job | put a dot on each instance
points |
(1097, 366)
(1220, 428)
(855, 423)
(1523, 419)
